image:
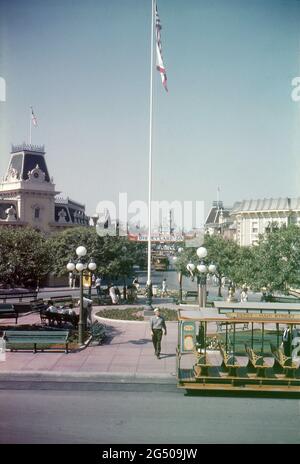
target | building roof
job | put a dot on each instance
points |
(266, 204)
(215, 212)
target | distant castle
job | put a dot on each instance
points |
(28, 196)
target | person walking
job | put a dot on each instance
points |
(164, 288)
(157, 324)
(98, 286)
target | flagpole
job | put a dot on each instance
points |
(30, 128)
(149, 292)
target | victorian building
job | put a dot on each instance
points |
(218, 221)
(28, 196)
(254, 217)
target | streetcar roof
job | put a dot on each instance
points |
(204, 316)
(256, 305)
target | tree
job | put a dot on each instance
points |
(25, 257)
(276, 263)
(108, 252)
(224, 254)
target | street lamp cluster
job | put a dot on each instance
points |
(203, 270)
(80, 266)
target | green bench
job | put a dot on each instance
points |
(8, 311)
(14, 296)
(230, 362)
(283, 362)
(191, 294)
(201, 366)
(256, 361)
(36, 338)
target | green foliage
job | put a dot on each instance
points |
(111, 259)
(25, 257)
(276, 260)
(224, 254)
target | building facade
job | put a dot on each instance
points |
(254, 217)
(28, 196)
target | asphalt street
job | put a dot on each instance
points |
(140, 414)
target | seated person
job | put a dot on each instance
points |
(70, 310)
(51, 307)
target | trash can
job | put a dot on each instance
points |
(154, 290)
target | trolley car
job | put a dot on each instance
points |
(247, 355)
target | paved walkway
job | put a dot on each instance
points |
(127, 352)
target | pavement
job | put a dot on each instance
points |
(127, 355)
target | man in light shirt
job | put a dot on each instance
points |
(157, 324)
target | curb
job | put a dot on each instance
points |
(86, 377)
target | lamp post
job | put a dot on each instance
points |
(80, 266)
(124, 250)
(180, 250)
(203, 271)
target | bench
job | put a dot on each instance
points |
(8, 311)
(191, 294)
(229, 362)
(283, 362)
(59, 318)
(35, 338)
(201, 366)
(37, 305)
(104, 297)
(20, 296)
(98, 331)
(256, 361)
(63, 300)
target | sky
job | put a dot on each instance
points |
(228, 119)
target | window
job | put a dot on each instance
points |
(254, 227)
(36, 213)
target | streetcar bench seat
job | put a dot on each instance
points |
(201, 366)
(283, 362)
(230, 362)
(256, 361)
(19, 339)
(8, 311)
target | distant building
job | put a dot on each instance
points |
(218, 221)
(28, 195)
(254, 217)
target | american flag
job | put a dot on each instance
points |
(159, 60)
(33, 117)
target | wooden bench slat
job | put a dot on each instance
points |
(229, 361)
(284, 362)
